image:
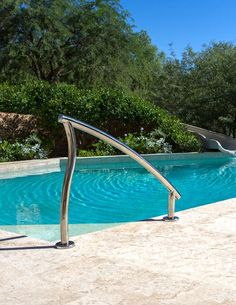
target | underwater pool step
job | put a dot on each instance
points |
(52, 232)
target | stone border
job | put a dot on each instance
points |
(34, 167)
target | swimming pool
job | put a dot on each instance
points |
(108, 194)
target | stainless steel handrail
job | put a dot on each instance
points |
(71, 123)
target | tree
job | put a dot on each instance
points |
(89, 43)
(169, 86)
(201, 88)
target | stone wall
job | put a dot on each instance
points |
(14, 125)
(19, 126)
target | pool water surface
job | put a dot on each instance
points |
(118, 194)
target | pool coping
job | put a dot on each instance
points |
(58, 164)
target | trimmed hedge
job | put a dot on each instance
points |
(110, 110)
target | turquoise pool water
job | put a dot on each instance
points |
(115, 195)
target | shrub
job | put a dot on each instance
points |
(30, 148)
(143, 143)
(111, 110)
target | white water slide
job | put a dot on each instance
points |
(214, 140)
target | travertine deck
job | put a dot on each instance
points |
(190, 262)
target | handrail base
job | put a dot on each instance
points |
(167, 218)
(68, 245)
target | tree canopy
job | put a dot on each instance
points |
(201, 87)
(88, 43)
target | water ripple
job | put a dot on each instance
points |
(115, 195)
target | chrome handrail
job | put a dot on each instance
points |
(69, 125)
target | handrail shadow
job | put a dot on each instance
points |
(13, 237)
(23, 247)
(152, 219)
(27, 248)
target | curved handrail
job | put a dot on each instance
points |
(70, 123)
(122, 147)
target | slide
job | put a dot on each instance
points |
(214, 140)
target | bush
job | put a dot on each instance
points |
(143, 143)
(111, 110)
(29, 149)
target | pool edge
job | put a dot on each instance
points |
(57, 164)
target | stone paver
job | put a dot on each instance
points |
(192, 261)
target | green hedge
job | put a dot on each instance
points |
(110, 110)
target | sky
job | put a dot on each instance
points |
(184, 23)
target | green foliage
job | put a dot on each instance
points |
(92, 44)
(143, 143)
(27, 98)
(148, 143)
(111, 110)
(30, 148)
(88, 43)
(201, 88)
(98, 149)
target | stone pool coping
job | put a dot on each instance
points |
(21, 168)
(192, 261)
